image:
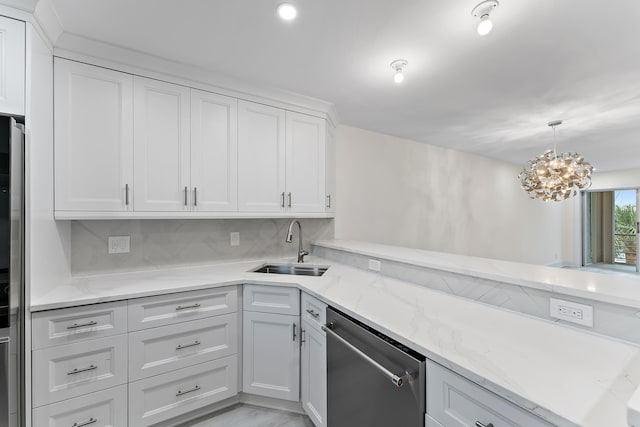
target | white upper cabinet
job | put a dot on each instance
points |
(261, 158)
(161, 146)
(12, 66)
(330, 170)
(214, 152)
(305, 163)
(93, 138)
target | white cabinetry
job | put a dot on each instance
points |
(271, 344)
(12, 66)
(313, 370)
(161, 146)
(454, 401)
(93, 138)
(330, 170)
(214, 152)
(261, 158)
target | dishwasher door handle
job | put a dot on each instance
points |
(397, 380)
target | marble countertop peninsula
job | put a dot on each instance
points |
(566, 376)
(614, 289)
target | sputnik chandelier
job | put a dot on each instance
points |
(555, 177)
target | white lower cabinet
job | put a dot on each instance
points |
(73, 370)
(159, 350)
(169, 395)
(313, 373)
(271, 355)
(454, 401)
(106, 408)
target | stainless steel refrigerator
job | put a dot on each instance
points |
(11, 273)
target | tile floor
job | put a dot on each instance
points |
(253, 416)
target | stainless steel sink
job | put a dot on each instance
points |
(292, 269)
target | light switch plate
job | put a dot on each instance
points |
(119, 244)
(571, 312)
(234, 238)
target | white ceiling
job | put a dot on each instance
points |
(575, 60)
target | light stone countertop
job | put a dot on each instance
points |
(566, 376)
(615, 289)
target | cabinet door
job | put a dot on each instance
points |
(161, 146)
(261, 158)
(305, 162)
(12, 66)
(214, 152)
(314, 374)
(93, 138)
(271, 355)
(330, 170)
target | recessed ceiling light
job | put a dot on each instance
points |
(287, 11)
(399, 65)
(483, 10)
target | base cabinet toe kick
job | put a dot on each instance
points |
(162, 360)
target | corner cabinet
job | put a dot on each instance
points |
(93, 138)
(313, 361)
(12, 66)
(132, 147)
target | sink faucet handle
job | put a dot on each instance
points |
(301, 255)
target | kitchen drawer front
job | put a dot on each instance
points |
(169, 395)
(106, 408)
(271, 299)
(455, 401)
(76, 369)
(159, 350)
(69, 325)
(313, 310)
(169, 309)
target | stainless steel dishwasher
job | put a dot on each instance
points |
(372, 380)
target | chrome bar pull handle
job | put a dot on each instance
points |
(479, 424)
(282, 199)
(186, 194)
(191, 390)
(396, 379)
(126, 194)
(294, 332)
(195, 196)
(313, 313)
(82, 325)
(187, 307)
(193, 344)
(77, 371)
(85, 423)
(289, 204)
(302, 332)
(328, 201)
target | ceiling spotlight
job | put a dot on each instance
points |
(287, 11)
(399, 65)
(483, 10)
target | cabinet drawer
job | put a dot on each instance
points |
(168, 395)
(455, 401)
(271, 299)
(158, 350)
(76, 369)
(69, 325)
(106, 408)
(164, 310)
(313, 310)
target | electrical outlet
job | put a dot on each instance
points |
(571, 312)
(374, 265)
(234, 238)
(119, 244)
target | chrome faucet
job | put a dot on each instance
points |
(289, 239)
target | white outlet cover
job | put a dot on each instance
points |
(374, 265)
(570, 311)
(234, 238)
(119, 244)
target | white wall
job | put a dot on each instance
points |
(401, 192)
